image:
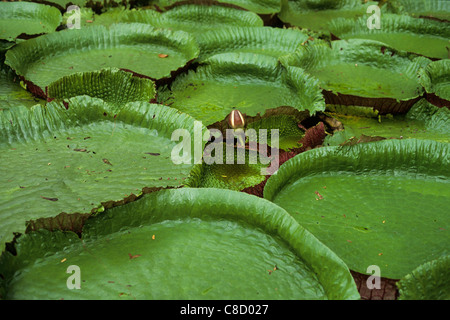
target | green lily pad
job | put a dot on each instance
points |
(111, 85)
(422, 36)
(423, 121)
(73, 160)
(196, 18)
(380, 203)
(316, 14)
(27, 18)
(150, 52)
(229, 173)
(263, 40)
(433, 9)
(13, 92)
(288, 130)
(63, 4)
(343, 69)
(436, 80)
(251, 83)
(257, 6)
(178, 244)
(435, 119)
(430, 281)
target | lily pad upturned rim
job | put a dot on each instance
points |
(430, 76)
(63, 4)
(264, 67)
(204, 171)
(313, 8)
(221, 41)
(428, 281)
(384, 105)
(415, 8)
(330, 270)
(39, 120)
(41, 12)
(24, 125)
(341, 27)
(174, 14)
(66, 87)
(32, 50)
(263, 10)
(293, 170)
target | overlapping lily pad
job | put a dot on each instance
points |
(178, 244)
(381, 203)
(248, 82)
(111, 85)
(432, 9)
(27, 18)
(264, 40)
(316, 14)
(429, 281)
(423, 121)
(230, 168)
(422, 36)
(289, 133)
(73, 160)
(196, 18)
(363, 73)
(13, 91)
(265, 7)
(140, 48)
(436, 80)
(259, 6)
(63, 4)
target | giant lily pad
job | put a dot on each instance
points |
(430, 281)
(380, 203)
(196, 18)
(229, 171)
(289, 133)
(432, 9)
(436, 80)
(436, 120)
(192, 18)
(27, 18)
(363, 73)
(423, 121)
(316, 14)
(57, 160)
(150, 52)
(264, 40)
(63, 4)
(422, 36)
(257, 6)
(251, 83)
(13, 91)
(111, 85)
(178, 244)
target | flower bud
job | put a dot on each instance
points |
(236, 119)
